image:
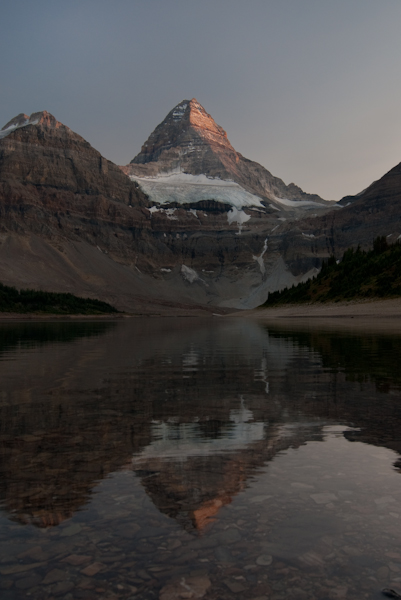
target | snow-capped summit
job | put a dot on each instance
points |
(189, 141)
(22, 120)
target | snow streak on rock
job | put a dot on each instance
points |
(259, 259)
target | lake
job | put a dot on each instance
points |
(199, 458)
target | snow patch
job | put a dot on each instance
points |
(308, 235)
(169, 212)
(297, 203)
(5, 132)
(237, 216)
(190, 275)
(179, 112)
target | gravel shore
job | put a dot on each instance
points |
(364, 314)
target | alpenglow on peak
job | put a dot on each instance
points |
(187, 125)
(189, 141)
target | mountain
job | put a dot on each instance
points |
(72, 221)
(52, 182)
(194, 176)
(360, 219)
(68, 216)
(188, 224)
(46, 156)
(189, 142)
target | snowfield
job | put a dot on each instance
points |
(185, 188)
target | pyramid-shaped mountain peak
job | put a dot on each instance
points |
(189, 141)
(186, 127)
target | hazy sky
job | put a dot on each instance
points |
(311, 89)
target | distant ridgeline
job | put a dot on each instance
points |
(31, 301)
(360, 274)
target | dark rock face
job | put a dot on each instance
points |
(59, 201)
(44, 163)
(189, 139)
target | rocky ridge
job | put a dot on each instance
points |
(376, 211)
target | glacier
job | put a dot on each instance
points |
(185, 188)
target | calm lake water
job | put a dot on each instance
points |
(190, 458)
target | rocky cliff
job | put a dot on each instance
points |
(53, 182)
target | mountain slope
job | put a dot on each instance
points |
(374, 212)
(46, 166)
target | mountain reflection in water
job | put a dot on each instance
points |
(203, 416)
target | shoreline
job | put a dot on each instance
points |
(390, 308)
(363, 315)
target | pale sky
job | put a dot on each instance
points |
(311, 89)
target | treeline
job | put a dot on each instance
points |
(32, 301)
(359, 274)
